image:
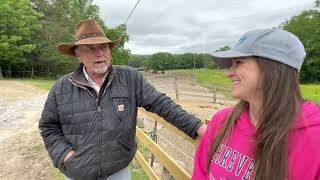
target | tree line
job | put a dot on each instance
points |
(30, 31)
(306, 26)
(166, 61)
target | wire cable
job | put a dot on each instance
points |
(125, 22)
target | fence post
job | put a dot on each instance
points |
(140, 122)
(215, 94)
(176, 88)
(155, 139)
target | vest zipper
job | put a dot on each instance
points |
(99, 136)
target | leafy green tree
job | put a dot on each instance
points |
(187, 60)
(59, 21)
(307, 27)
(224, 48)
(205, 61)
(166, 61)
(160, 60)
(18, 23)
(136, 61)
(120, 55)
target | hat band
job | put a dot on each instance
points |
(90, 35)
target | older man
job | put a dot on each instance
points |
(89, 119)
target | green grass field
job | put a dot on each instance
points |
(44, 84)
(311, 92)
(209, 77)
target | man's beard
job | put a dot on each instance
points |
(103, 69)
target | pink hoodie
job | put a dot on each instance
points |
(235, 159)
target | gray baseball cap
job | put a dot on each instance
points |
(274, 44)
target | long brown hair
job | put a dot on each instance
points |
(281, 98)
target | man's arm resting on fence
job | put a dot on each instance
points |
(154, 101)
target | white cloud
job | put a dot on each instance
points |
(179, 26)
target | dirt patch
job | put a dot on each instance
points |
(13, 91)
(22, 154)
(192, 97)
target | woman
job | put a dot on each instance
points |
(271, 133)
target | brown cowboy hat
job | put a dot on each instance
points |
(87, 32)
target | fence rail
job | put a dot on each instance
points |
(175, 170)
(172, 128)
(165, 160)
(215, 91)
(145, 166)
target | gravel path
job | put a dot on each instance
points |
(22, 154)
(13, 112)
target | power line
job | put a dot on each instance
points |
(132, 11)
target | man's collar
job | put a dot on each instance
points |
(79, 77)
(91, 82)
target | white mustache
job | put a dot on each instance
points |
(100, 60)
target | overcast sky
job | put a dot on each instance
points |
(179, 26)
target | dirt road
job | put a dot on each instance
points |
(21, 149)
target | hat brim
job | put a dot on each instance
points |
(223, 59)
(68, 49)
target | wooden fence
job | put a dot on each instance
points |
(166, 161)
(214, 92)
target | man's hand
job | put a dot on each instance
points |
(202, 130)
(69, 154)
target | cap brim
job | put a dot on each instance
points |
(223, 59)
(68, 49)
